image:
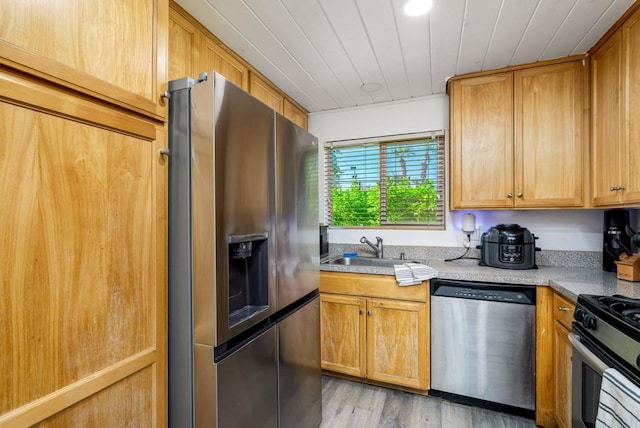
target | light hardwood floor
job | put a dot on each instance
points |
(347, 404)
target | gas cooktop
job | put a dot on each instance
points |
(622, 313)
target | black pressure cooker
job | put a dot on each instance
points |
(508, 246)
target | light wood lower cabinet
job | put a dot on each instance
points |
(554, 314)
(372, 336)
(562, 317)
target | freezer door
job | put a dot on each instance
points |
(300, 382)
(248, 385)
(298, 241)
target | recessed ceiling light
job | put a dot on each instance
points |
(371, 86)
(417, 7)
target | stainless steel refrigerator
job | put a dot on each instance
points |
(244, 322)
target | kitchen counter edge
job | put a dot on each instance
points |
(567, 281)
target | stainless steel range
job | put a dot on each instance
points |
(605, 334)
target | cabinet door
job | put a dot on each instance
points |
(549, 149)
(294, 114)
(184, 42)
(606, 107)
(83, 261)
(397, 342)
(266, 93)
(562, 380)
(215, 58)
(112, 50)
(343, 334)
(631, 159)
(482, 142)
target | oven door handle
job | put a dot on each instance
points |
(589, 357)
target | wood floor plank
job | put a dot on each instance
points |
(347, 404)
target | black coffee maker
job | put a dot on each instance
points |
(616, 237)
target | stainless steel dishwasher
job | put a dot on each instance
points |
(483, 344)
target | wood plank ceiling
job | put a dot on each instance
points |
(324, 53)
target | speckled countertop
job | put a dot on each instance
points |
(568, 273)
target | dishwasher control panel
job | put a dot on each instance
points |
(505, 293)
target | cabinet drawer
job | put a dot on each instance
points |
(563, 310)
(368, 285)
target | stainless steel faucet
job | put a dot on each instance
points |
(377, 247)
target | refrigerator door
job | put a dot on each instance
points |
(297, 244)
(233, 205)
(247, 386)
(300, 382)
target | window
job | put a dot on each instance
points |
(397, 182)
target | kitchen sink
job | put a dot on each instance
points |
(366, 261)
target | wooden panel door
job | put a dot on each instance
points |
(549, 148)
(294, 114)
(83, 261)
(631, 131)
(113, 50)
(482, 142)
(343, 334)
(397, 342)
(266, 93)
(606, 133)
(184, 44)
(214, 57)
(562, 350)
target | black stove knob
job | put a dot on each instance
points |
(578, 315)
(589, 321)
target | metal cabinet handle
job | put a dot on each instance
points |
(616, 188)
(368, 312)
(510, 195)
(563, 308)
(520, 194)
(361, 312)
(165, 151)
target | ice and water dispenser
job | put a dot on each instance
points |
(248, 276)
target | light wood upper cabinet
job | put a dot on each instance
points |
(549, 149)
(615, 71)
(606, 107)
(482, 142)
(184, 42)
(266, 93)
(517, 139)
(373, 329)
(193, 50)
(214, 57)
(114, 50)
(631, 44)
(295, 114)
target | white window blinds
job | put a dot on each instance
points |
(390, 183)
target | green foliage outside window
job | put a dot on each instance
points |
(391, 183)
(406, 203)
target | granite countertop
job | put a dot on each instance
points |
(569, 281)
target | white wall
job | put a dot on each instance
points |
(579, 230)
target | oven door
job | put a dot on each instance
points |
(587, 370)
